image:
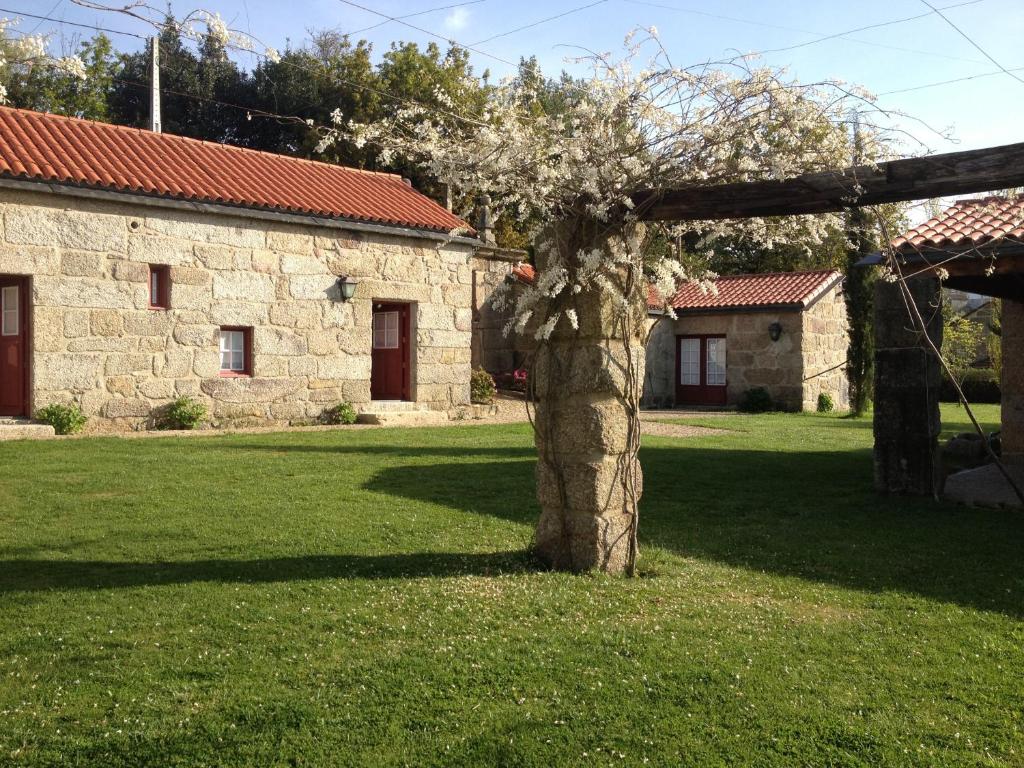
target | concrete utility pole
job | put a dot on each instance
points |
(154, 84)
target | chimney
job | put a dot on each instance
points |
(484, 221)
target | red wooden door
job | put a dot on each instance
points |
(13, 346)
(390, 374)
(700, 370)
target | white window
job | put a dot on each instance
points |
(10, 311)
(689, 362)
(233, 350)
(385, 330)
(716, 363)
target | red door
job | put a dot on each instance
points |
(13, 346)
(389, 375)
(700, 370)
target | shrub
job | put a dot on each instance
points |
(342, 413)
(183, 413)
(65, 419)
(825, 404)
(756, 400)
(980, 385)
(481, 386)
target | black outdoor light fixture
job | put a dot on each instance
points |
(347, 286)
(775, 330)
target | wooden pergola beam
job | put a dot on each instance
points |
(918, 178)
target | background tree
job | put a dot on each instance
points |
(84, 93)
(858, 292)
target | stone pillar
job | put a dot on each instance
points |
(586, 382)
(1012, 383)
(907, 381)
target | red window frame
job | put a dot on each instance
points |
(162, 273)
(246, 352)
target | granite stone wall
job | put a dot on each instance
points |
(96, 342)
(825, 342)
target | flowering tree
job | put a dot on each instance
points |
(585, 176)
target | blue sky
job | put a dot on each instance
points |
(983, 111)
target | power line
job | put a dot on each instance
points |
(867, 27)
(413, 15)
(540, 21)
(443, 38)
(951, 82)
(94, 27)
(967, 37)
(819, 35)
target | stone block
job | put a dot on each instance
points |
(157, 389)
(208, 228)
(302, 366)
(160, 250)
(189, 276)
(73, 372)
(106, 322)
(128, 363)
(174, 363)
(314, 287)
(344, 367)
(296, 314)
(82, 292)
(83, 263)
(148, 323)
(244, 313)
(76, 323)
(246, 286)
(130, 271)
(289, 239)
(29, 260)
(266, 262)
(65, 228)
(215, 256)
(276, 341)
(196, 335)
(103, 344)
(294, 264)
(251, 390)
(121, 385)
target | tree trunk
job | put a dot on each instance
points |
(587, 386)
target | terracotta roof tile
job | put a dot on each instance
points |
(67, 150)
(968, 223)
(785, 289)
(524, 273)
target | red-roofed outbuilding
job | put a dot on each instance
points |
(783, 332)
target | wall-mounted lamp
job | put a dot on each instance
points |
(775, 331)
(347, 287)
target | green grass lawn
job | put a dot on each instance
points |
(367, 598)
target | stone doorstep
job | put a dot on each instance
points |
(23, 429)
(403, 418)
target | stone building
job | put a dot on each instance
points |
(785, 332)
(138, 267)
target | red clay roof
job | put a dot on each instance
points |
(968, 223)
(67, 150)
(737, 292)
(524, 273)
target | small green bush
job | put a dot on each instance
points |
(481, 386)
(65, 419)
(342, 413)
(756, 400)
(825, 403)
(183, 413)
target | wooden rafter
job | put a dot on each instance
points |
(918, 178)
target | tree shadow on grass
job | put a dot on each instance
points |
(810, 515)
(21, 575)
